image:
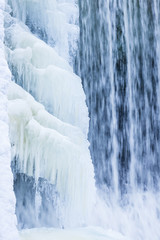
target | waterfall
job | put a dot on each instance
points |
(120, 73)
(118, 62)
(84, 118)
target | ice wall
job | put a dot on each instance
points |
(54, 21)
(39, 69)
(48, 144)
(48, 148)
(8, 229)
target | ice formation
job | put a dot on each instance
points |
(47, 76)
(56, 22)
(49, 121)
(51, 149)
(8, 229)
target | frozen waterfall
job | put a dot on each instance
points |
(47, 148)
(83, 119)
(48, 117)
(54, 21)
(33, 63)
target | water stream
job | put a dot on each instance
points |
(115, 49)
(119, 65)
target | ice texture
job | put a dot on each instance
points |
(47, 76)
(8, 229)
(48, 148)
(56, 22)
(49, 124)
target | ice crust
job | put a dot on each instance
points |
(48, 77)
(48, 148)
(8, 223)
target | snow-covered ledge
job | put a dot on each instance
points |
(8, 230)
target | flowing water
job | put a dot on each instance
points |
(119, 65)
(118, 61)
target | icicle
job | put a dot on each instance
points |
(47, 148)
(39, 70)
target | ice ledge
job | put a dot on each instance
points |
(8, 230)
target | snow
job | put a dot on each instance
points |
(89, 233)
(48, 148)
(39, 69)
(8, 229)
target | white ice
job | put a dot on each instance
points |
(8, 223)
(58, 152)
(39, 69)
(89, 233)
(53, 147)
(52, 143)
(56, 21)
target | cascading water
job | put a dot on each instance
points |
(120, 72)
(119, 65)
(118, 61)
